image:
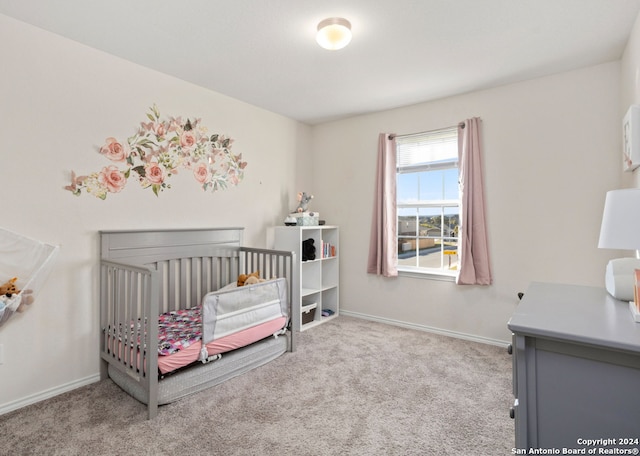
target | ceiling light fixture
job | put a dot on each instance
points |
(334, 33)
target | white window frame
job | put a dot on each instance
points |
(418, 271)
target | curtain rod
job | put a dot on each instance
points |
(392, 135)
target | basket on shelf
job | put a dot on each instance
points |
(30, 261)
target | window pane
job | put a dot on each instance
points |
(407, 222)
(450, 184)
(451, 221)
(431, 183)
(439, 184)
(407, 233)
(407, 187)
(430, 221)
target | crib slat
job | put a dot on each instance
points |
(172, 283)
(120, 315)
(206, 275)
(131, 328)
(181, 287)
(219, 266)
(150, 301)
(196, 289)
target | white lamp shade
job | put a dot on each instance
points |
(621, 220)
(334, 33)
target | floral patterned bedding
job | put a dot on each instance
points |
(179, 329)
(233, 311)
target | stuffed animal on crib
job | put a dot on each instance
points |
(249, 279)
(9, 291)
(242, 278)
(303, 201)
(253, 279)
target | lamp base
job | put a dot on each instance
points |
(619, 278)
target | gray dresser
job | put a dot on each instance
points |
(576, 369)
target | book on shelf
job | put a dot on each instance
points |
(328, 250)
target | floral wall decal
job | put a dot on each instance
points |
(157, 151)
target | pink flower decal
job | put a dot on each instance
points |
(187, 140)
(114, 150)
(157, 151)
(202, 173)
(153, 173)
(112, 178)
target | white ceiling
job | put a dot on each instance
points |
(403, 52)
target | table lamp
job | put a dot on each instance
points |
(621, 230)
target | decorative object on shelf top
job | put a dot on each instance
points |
(156, 152)
(303, 202)
(301, 215)
(306, 218)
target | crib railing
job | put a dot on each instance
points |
(132, 296)
(129, 322)
(185, 280)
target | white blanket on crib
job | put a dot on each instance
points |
(225, 312)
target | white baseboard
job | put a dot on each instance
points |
(47, 394)
(443, 332)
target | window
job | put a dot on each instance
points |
(428, 202)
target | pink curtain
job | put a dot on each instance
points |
(383, 250)
(473, 248)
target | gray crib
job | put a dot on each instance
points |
(145, 273)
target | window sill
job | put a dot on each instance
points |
(429, 275)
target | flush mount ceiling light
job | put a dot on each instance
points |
(334, 33)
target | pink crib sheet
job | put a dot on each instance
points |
(186, 356)
(180, 339)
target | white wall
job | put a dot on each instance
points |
(630, 88)
(59, 101)
(551, 148)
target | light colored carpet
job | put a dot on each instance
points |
(353, 387)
